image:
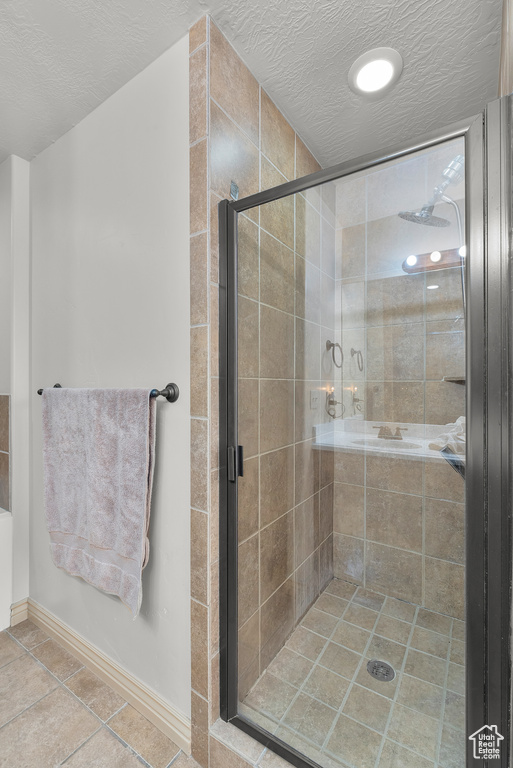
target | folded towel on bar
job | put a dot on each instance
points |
(453, 438)
(98, 456)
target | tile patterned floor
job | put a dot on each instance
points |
(318, 696)
(54, 711)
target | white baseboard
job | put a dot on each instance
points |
(146, 701)
(19, 612)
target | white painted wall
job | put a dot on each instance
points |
(110, 308)
(14, 376)
(5, 276)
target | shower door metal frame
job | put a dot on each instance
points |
(488, 374)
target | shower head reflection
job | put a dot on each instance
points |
(425, 216)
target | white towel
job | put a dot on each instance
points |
(98, 455)
(454, 437)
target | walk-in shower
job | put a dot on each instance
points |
(353, 385)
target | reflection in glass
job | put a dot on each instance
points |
(351, 328)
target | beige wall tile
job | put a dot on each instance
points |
(325, 562)
(308, 290)
(276, 484)
(198, 34)
(305, 161)
(442, 482)
(349, 509)
(199, 279)
(396, 401)
(305, 416)
(276, 344)
(248, 338)
(446, 301)
(306, 529)
(396, 300)
(276, 217)
(249, 650)
(248, 258)
(199, 648)
(248, 578)
(4, 482)
(198, 186)
(349, 468)
(445, 349)
(396, 187)
(306, 584)
(326, 512)
(214, 237)
(233, 157)
(445, 530)
(307, 470)
(276, 554)
(248, 416)
(353, 251)
(199, 555)
(348, 558)
(199, 371)
(198, 95)
(226, 70)
(445, 587)
(276, 414)
(276, 274)
(249, 498)
(396, 352)
(4, 423)
(214, 424)
(199, 464)
(393, 572)
(445, 402)
(308, 350)
(276, 622)
(199, 729)
(223, 757)
(351, 201)
(394, 519)
(278, 138)
(393, 474)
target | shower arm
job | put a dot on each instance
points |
(456, 207)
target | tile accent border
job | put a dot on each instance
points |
(146, 701)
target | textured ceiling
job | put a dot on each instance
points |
(59, 59)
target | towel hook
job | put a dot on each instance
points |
(359, 357)
(331, 345)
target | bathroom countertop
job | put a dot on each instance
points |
(359, 436)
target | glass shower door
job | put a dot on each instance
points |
(347, 529)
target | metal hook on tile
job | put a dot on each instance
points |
(331, 345)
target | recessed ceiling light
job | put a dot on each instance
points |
(375, 72)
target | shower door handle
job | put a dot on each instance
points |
(235, 460)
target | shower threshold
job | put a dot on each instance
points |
(318, 696)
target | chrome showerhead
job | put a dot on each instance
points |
(425, 216)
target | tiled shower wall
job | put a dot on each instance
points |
(286, 314)
(4, 453)
(398, 523)
(237, 134)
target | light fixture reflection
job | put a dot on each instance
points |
(435, 256)
(432, 287)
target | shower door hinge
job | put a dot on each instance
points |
(235, 462)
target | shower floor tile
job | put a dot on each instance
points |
(318, 696)
(54, 711)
